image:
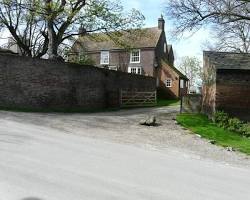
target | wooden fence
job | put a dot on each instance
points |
(137, 99)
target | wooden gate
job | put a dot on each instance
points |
(137, 99)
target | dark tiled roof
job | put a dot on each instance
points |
(228, 60)
(144, 38)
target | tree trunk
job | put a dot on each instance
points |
(53, 44)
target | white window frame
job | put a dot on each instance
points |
(168, 82)
(103, 58)
(131, 56)
(135, 70)
(114, 68)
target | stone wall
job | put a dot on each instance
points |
(191, 103)
(43, 84)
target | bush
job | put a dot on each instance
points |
(235, 125)
(221, 119)
(245, 130)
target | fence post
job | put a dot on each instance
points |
(120, 98)
(181, 104)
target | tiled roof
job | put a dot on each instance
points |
(228, 60)
(144, 38)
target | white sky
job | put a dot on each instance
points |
(152, 9)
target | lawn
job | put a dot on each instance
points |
(167, 102)
(201, 125)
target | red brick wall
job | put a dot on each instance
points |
(209, 88)
(233, 92)
(45, 84)
(166, 72)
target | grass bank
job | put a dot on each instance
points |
(167, 102)
(201, 125)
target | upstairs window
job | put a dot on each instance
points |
(104, 58)
(135, 56)
(168, 82)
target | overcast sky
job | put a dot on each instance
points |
(152, 9)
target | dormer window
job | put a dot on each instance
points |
(135, 56)
(165, 47)
(104, 58)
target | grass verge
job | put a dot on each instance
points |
(167, 102)
(201, 125)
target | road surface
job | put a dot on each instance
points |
(39, 162)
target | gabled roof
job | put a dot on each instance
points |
(228, 60)
(144, 38)
(170, 48)
(163, 63)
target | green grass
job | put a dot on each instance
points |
(167, 102)
(201, 125)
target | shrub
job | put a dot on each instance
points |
(245, 130)
(235, 125)
(221, 119)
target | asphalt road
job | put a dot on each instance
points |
(43, 163)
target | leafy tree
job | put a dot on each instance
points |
(53, 22)
(191, 67)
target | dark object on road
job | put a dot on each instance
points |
(150, 121)
(212, 142)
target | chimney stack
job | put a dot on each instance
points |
(161, 23)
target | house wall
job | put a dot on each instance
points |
(174, 92)
(43, 84)
(233, 92)
(159, 51)
(121, 58)
(169, 92)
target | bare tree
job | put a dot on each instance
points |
(233, 37)
(191, 67)
(192, 14)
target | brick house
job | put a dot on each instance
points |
(148, 54)
(227, 83)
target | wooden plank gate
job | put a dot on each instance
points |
(137, 98)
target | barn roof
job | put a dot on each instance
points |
(228, 60)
